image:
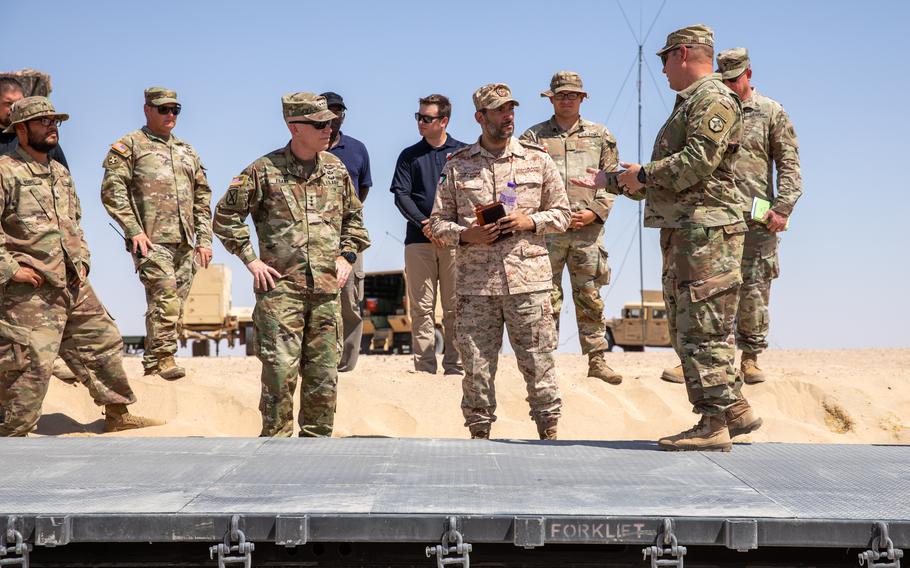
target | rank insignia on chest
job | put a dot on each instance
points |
(716, 124)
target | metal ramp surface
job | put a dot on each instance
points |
(56, 491)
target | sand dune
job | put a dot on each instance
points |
(842, 396)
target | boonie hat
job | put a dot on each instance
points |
(31, 108)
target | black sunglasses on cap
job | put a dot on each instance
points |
(168, 109)
(316, 125)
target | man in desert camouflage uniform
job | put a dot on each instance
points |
(155, 188)
(310, 228)
(692, 197)
(576, 144)
(47, 305)
(507, 281)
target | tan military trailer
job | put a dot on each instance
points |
(641, 324)
(387, 316)
(34, 83)
(209, 316)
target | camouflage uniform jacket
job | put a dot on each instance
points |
(768, 137)
(585, 145)
(473, 177)
(158, 187)
(39, 223)
(303, 223)
(690, 179)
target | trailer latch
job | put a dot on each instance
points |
(243, 549)
(19, 548)
(883, 554)
(451, 543)
(665, 545)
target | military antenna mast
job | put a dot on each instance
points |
(640, 40)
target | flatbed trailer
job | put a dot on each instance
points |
(426, 502)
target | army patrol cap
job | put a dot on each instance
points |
(306, 105)
(699, 34)
(157, 96)
(31, 108)
(733, 62)
(565, 81)
(493, 95)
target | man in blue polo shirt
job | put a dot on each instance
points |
(427, 262)
(357, 161)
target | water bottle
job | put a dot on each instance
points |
(508, 197)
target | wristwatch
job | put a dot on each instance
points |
(351, 257)
(641, 175)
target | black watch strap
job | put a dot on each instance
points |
(641, 175)
(351, 257)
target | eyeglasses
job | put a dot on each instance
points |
(666, 55)
(175, 110)
(48, 122)
(316, 125)
(566, 96)
(425, 118)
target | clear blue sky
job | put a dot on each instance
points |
(838, 68)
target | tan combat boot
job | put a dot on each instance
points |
(709, 435)
(480, 431)
(117, 419)
(547, 430)
(749, 366)
(63, 372)
(598, 369)
(673, 375)
(168, 369)
(741, 419)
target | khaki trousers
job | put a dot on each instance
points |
(430, 270)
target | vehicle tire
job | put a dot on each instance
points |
(633, 348)
(365, 342)
(201, 348)
(608, 335)
(249, 339)
(440, 342)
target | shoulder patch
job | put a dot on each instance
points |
(717, 120)
(238, 181)
(121, 148)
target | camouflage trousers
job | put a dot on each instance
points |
(528, 318)
(36, 324)
(167, 274)
(297, 332)
(701, 281)
(759, 267)
(581, 250)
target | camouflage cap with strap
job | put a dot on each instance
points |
(699, 34)
(309, 106)
(733, 62)
(157, 96)
(565, 81)
(493, 95)
(31, 108)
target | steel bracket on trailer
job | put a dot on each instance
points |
(19, 548)
(890, 557)
(452, 543)
(666, 545)
(224, 551)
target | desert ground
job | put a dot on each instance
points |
(837, 396)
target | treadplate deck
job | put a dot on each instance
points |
(395, 490)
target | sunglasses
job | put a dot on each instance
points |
(48, 122)
(566, 96)
(316, 125)
(666, 55)
(175, 110)
(425, 118)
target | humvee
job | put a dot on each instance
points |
(641, 324)
(387, 316)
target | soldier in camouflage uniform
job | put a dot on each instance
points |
(310, 228)
(506, 281)
(768, 140)
(47, 304)
(155, 188)
(692, 197)
(576, 144)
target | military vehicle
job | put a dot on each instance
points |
(642, 323)
(387, 316)
(34, 83)
(209, 316)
